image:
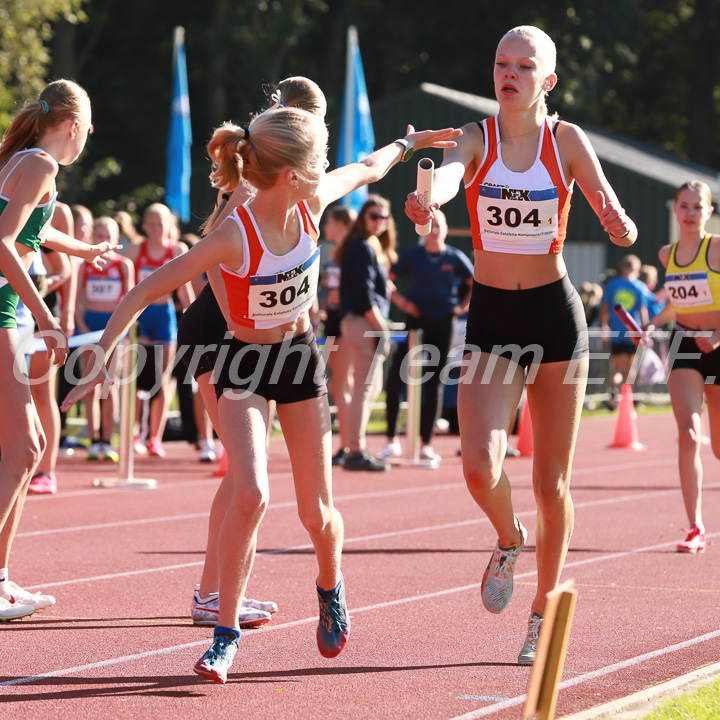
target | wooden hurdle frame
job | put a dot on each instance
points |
(542, 692)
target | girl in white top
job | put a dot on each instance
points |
(283, 155)
(519, 172)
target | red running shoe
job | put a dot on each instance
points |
(694, 542)
(155, 447)
(42, 484)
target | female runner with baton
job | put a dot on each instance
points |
(519, 169)
(269, 255)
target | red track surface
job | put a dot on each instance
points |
(122, 564)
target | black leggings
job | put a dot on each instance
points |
(438, 333)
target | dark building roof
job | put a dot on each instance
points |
(644, 179)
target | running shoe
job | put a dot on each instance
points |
(94, 451)
(17, 596)
(42, 484)
(497, 582)
(155, 448)
(207, 452)
(109, 453)
(339, 457)
(427, 453)
(363, 460)
(14, 611)
(334, 625)
(694, 542)
(529, 649)
(205, 612)
(139, 446)
(216, 662)
(393, 449)
(265, 606)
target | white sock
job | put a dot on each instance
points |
(699, 526)
(4, 581)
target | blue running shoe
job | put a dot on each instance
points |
(334, 626)
(497, 582)
(216, 662)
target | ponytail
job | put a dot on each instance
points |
(60, 100)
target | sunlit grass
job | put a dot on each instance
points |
(701, 705)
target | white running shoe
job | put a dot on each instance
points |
(207, 453)
(13, 611)
(205, 612)
(391, 450)
(497, 582)
(427, 453)
(18, 596)
(265, 606)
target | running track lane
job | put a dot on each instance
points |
(413, 643)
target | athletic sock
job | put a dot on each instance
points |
(698, 525)
(222, 630)
(329, 593)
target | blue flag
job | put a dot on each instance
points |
(177, 181)
(357, 139)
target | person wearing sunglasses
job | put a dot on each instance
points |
(365, 257)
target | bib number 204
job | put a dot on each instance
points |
(286, 296)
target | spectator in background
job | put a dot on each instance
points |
(82, 227)
(626, 290)
(128, 234)
(656, 301)
(337, 223)
(158, 324)
(439, 282)
(99, 292)
(365, 257)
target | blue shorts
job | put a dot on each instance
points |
(96, 320)
(158, 323)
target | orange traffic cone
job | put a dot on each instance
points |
(525, 431)
(222, 467)
(626, 434)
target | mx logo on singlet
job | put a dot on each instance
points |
(514, 194)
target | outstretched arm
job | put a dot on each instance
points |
(96, 255)
(457, 161)
(344, 180)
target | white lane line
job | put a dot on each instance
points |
(338, 499)
(593, 675)
(396, 534)
(482, 712)
(213, 480)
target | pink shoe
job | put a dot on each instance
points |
(694, 542)
(138, 446)
(42, 484)
(155, 447)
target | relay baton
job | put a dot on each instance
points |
(636, 332)
(424, 191)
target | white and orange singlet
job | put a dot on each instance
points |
(521, 213)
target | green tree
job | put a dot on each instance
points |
(25, 31)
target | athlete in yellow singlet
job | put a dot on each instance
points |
(692, 278)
